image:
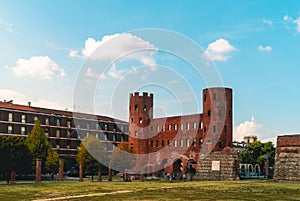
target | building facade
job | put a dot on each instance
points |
(178, 139)
(64, 129)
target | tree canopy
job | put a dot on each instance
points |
(257, 153)
(122, 157)
(52, 161)
(91, 153)
(37, 142)
(14, 155)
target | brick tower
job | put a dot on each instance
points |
(217, 119)
(140, 116)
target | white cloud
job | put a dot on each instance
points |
(115, 73)
(219, 50)
(6, 94)
(23, 99)
(286, 18)
(92, 74)
(37, 66)
(297, 22)
(271, 139)
(74, 53)
(289, 19)
(265, 49)
(246, 128)
(6, 25)
(133, 46)
(266, 21)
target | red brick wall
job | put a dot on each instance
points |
(288, 141)
(287, 159)
(217, 118)
(186, 134)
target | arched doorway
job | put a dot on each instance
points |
(257, 169)
(162, 169)
(177, 165)
(243, 171)
(250, 170)
(163, 164)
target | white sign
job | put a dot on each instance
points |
(215, 165)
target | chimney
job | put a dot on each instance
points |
(29, 104)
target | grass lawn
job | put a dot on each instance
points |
(196, 190)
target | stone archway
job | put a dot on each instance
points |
(177, 165)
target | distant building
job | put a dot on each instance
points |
(64, 129)
(250, 139)
(240, 146)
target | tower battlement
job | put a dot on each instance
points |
(144, 94)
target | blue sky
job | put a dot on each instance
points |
(253, 44)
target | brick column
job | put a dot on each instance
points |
(13, 177)
(61, 170)
(126, 178)
(109, 174)
(142, 177)
(38, 170)
(80, 172)
(267, 168)
(99, 175)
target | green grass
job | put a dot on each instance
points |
(196, 190)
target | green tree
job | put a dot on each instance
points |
(122, 158)
(37, 142)
(257, 153)
(14, 155)
(52, 161)
(90, 154)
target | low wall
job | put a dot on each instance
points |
(218, 166)
(287, 159)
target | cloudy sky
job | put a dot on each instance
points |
(254, 47)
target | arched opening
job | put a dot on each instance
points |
(257, 169)
(177, 167)
(250, 169)
(243, 170)
(163, 166)
(191, 166)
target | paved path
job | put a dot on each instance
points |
(81, 196)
